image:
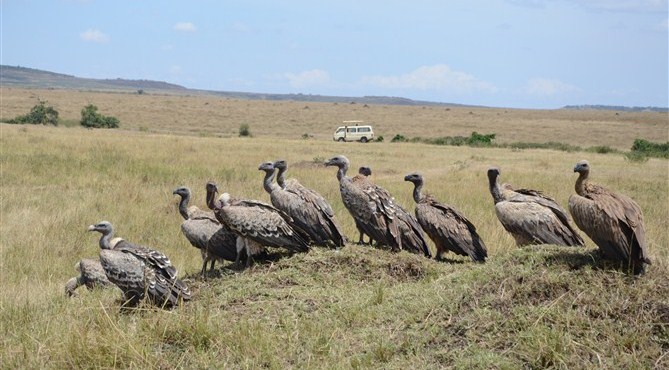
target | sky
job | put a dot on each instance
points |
(502, 53)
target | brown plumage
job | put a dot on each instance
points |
(261, 224)
(612, 220)
(308, 209)
(448, 228)
(138, 271)
(363, 172)
(530, 216)
(376, 213)
(204, 232)
(91, 274)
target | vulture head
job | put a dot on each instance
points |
(103, 227)
(415, 178)
(365, 171)
(280, 164)
(493, 173)
(267, 167)
(212, 190)
(182, 191)
(339, 161)
(582, 167)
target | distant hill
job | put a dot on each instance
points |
(28, 77)
(618, 108)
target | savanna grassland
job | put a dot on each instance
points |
(536, 307)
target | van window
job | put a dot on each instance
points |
(350, 129)
(341, 129)
(363, 129)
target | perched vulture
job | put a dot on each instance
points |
(140, 272)
(205, 233)
(260, 224)
(530, 216)
(91, 274)
(376, 212)
(309, 210)
(363, 172)
(448, 228)
(612, 220)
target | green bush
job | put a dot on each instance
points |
(651, 149)
(41, 114)
(92, 119)
(399, 138)
(379, 138)
(244, 130)
(476, 139)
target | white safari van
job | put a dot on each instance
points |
(354, 131)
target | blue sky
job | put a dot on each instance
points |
(504, 53)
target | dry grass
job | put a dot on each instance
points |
(221, 117)
(539, 307)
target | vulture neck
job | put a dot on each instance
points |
(341, 174)
(267, 182)
(581, 183)
(417, 196)
(183, 206)
(495, 190)
(211, 196)
(105, 239)
(280, 179)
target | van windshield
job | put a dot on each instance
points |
(341, 129)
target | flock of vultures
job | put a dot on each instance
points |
(299, 218)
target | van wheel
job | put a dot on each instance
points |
(341, 139)
(363, 139)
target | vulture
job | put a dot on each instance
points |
(205, 233)
(530, 216)
(375, 211)
(259, 224)
(309, 210)
(140, 272)
(448, 228)
(91, 274)
(249, 247)
(364, 172)
(612, 220)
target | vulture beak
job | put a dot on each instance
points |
(407, 178)
(91, 228)
(174, 192)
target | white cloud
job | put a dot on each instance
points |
(314, 77)
(184, 27)
(94, 35)
(548, 87)
(175, 70)
(438, 77)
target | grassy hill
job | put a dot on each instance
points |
(534, 308)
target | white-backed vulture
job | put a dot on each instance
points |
(260, 224)
(91, 274)
(376, 212)
(364, 172)
(204, 232)
(612, 220)
(138, 271)
(309, 210)
(242, 244)
(448, 228)
(530, 216)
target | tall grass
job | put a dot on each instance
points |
(361, 308)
